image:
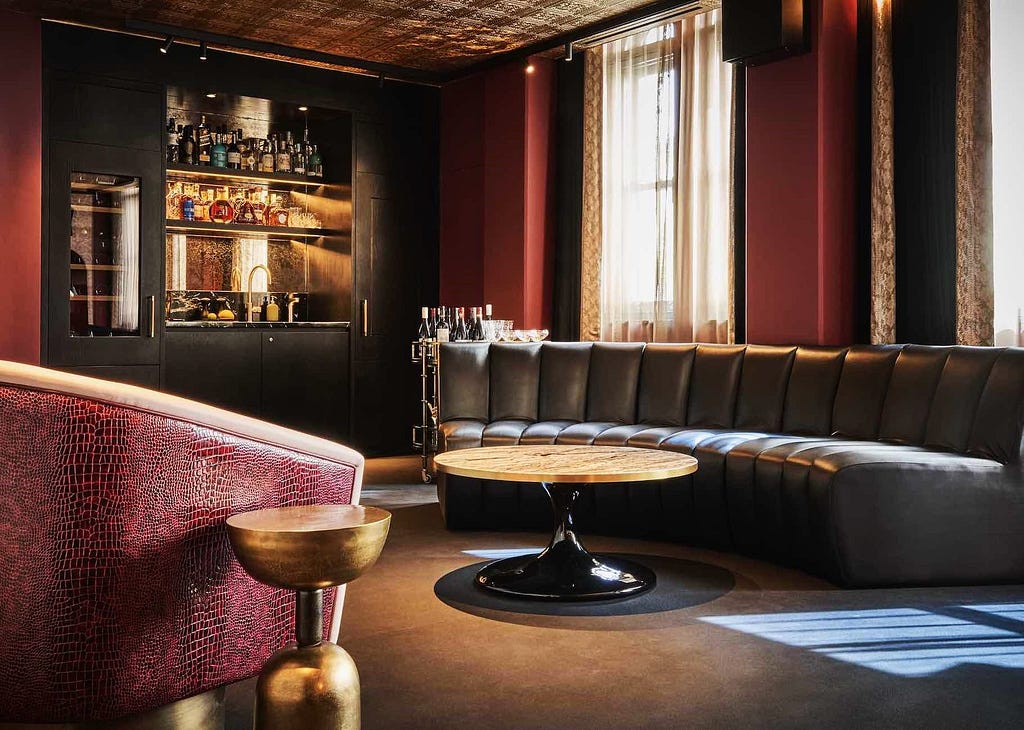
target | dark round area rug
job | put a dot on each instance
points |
(680, 584)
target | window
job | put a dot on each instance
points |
(665, 185)
(1007, 18)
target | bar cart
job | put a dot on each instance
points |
(424, 435)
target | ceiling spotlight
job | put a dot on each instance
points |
(568, 51)
(211, 95)
(303, 108)
(202, 50)
(380, 79)
(168, 42)
(530, 69)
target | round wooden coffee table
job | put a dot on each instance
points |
(565, 570)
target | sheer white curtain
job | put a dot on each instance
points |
(125, 309)
(666, 185)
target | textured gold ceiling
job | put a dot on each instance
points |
(431, 35)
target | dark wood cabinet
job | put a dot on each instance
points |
(395, 243)
(221, 368)
(297, 378)
(306, 380)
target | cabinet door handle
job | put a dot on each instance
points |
(365, 304)
(151, 302)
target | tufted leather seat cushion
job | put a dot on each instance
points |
(866, 465)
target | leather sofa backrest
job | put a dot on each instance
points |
(612, 387)
(763, 381)
(812, 390)
(464, 382)
(955, 402)
(962, 399)
(996, 432)
(564, 375)
(909, 397)
(665, 384)
(515, 381)
(714, 385)
(862, 387)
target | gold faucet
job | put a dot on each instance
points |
(248, 298)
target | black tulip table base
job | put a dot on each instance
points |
(565, 570)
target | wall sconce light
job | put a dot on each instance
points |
(168, 42)
(530, 68)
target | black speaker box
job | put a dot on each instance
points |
(759, 31)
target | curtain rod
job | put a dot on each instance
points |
(650, 21)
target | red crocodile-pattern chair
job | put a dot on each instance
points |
(120, 592)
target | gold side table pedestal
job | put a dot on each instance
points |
(312, 683)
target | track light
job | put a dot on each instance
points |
(202, 50)
(168, 42)
(568, 51)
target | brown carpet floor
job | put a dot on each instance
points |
(781, 649)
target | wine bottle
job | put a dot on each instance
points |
(314, 163)
(424, 333)
(487, 311)
(234, 154)
(187, 147)
(443, 329)
(460, 334)
(172, 141)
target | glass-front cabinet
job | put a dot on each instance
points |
(258, 216)
(104, 265)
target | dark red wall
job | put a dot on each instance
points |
(801, 198)
(20, 187)
(497, 224)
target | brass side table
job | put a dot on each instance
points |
(312, 683)
(565, 570)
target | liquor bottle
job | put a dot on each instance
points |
(203, 141)
(188, 206)
(424, 333)
(246, 213)
(250, 156)
(276, 214)
(433, 320)
(487, 311)
(222, 211)
(259, 206)
(314, 164)
(299, 160)
(266, 156)
(282, 158)
(234, 153)
(187, 154)
(219, 151)
(172, 141)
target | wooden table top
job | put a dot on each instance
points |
(565, 464)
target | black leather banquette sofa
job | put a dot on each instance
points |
(868, 465)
